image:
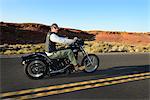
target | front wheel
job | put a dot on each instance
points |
(91, 63)
(36, 69)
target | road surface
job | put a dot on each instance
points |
(112, 65)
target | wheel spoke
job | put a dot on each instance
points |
(91, 62)
(88, 64)
(36, 69)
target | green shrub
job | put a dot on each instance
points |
(91, 47)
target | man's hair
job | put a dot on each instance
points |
(54, 24)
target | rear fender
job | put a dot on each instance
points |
(35, 56)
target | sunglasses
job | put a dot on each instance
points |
(56, 27)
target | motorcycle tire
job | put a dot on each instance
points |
(89, 68)
(35, 69)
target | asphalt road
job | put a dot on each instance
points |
(115, 64)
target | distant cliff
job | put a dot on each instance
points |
(32, 33)
(24, 33)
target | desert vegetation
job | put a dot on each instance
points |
(90, 47)
(108, 47)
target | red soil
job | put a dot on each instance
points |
(14, 33)
(123, 37)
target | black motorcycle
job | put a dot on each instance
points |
(38, 64)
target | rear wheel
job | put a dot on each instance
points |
(90, 66)
(36, 69)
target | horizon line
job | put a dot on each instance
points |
(79, 29)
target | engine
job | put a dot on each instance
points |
(58, 64)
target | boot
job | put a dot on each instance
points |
(79, 67)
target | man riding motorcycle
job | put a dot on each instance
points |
(50, 47)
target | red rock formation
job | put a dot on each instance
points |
(15, 33)
(24, 33)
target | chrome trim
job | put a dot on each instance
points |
(23, 63)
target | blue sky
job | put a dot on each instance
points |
(114, 15)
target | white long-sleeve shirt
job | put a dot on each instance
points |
(58, 39)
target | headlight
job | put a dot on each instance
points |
(75, 50)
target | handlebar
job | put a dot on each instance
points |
(78, 42)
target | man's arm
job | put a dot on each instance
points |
(58, 39)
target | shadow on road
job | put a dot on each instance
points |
(111, 72)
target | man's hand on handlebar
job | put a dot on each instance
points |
(75, 38)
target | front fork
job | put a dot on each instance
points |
(86, 54)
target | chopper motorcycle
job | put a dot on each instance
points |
(38, 64)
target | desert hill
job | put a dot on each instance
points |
(25, 33)
(22, 38)
(133, 38)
